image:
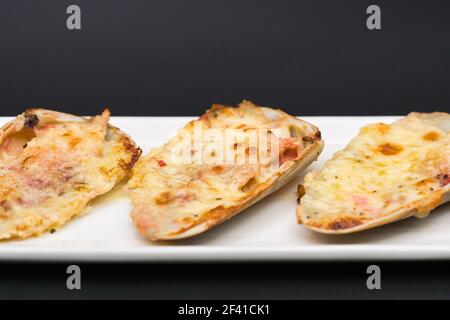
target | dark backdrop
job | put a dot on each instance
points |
(174, 57)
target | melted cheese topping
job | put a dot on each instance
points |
(170, 197)
(51, 169)
(384, 169)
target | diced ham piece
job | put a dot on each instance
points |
(360, 201)
(288, 149)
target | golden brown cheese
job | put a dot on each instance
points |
(52, 164)
(173, 199)
(386, 173)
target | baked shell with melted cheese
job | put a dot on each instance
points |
(386, 173)
(174, 201)
(52, 164)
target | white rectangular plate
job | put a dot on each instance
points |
(267, 231)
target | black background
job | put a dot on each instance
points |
(174, 57)
(399, 280)
(166, 57)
